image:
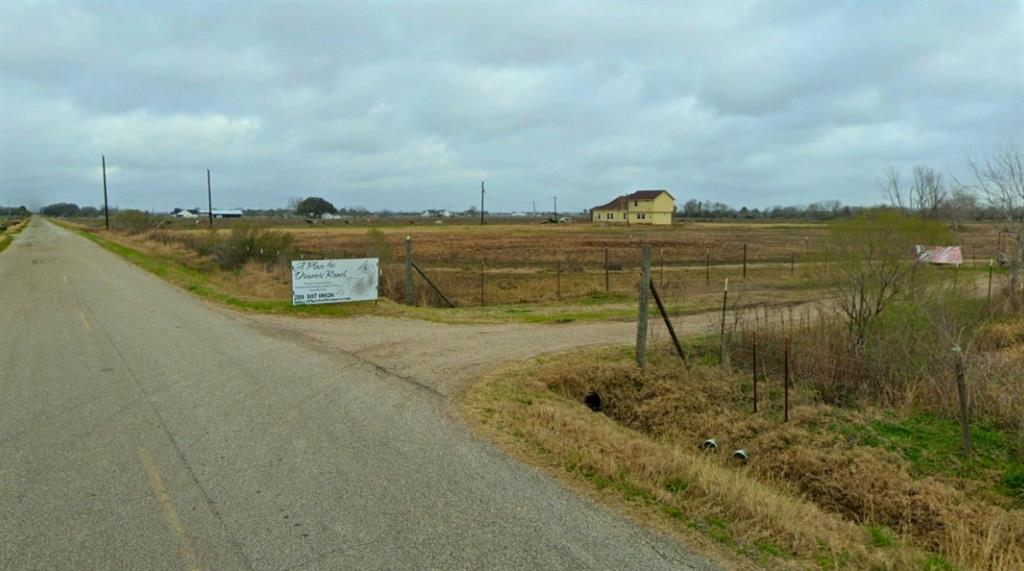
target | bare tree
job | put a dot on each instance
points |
(892, 188)
(961, 205)
(926, 195)
(999, 179)
(872, 262)
(927, 192)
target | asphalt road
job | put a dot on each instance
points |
(142, 429)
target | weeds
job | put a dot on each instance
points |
(852, 488)
(235, 248)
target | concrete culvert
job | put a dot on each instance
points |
(709, 444)
(593, 400)
(741, 455)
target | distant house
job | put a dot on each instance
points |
(640, 207)
(187, 214)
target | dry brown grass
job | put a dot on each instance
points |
(463, 242)
(520, 261)
(809, 490)
(683, 288)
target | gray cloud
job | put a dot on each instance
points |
(410, 106)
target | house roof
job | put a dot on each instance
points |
(618, 203)
(648, 194)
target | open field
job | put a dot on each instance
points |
(515, 273)
(525, 243)
(542, 266)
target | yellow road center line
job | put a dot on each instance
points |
(157, 485)
(85, 321)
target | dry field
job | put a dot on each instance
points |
(527, 244)
(545, 264)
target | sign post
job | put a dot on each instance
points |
(334, 281)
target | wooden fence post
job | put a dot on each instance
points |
(481, 283)
(668, 322)
(641, 324)
(408, 271)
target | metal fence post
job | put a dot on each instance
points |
(991, 266)
(707, 266)
(661, 271)
(558, 279)
(641, 324)
(785, 376)
(754, 367)
(725, 301)
(408, 271)
(606, 283)
(744, 261)
(961, 391)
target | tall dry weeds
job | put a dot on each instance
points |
(857, 484)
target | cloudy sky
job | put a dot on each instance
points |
(410, 106)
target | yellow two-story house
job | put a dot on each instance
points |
(640, 207)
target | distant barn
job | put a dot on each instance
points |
(220, 213)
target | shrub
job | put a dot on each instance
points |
(133, 221)
(246, 244)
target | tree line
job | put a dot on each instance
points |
(13, 211)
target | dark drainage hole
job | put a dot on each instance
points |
(593, 400)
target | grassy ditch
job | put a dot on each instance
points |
(9, 229)
(836, 487)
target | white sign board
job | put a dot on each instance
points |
(333, 281)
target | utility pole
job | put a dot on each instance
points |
(209, 198)
(556, 209)
(481, 203)
(534, 208)
(106, 207)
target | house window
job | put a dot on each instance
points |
(636, 203)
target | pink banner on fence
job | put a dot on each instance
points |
(940, 255)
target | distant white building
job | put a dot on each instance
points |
(186, 214)
(220, 212)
